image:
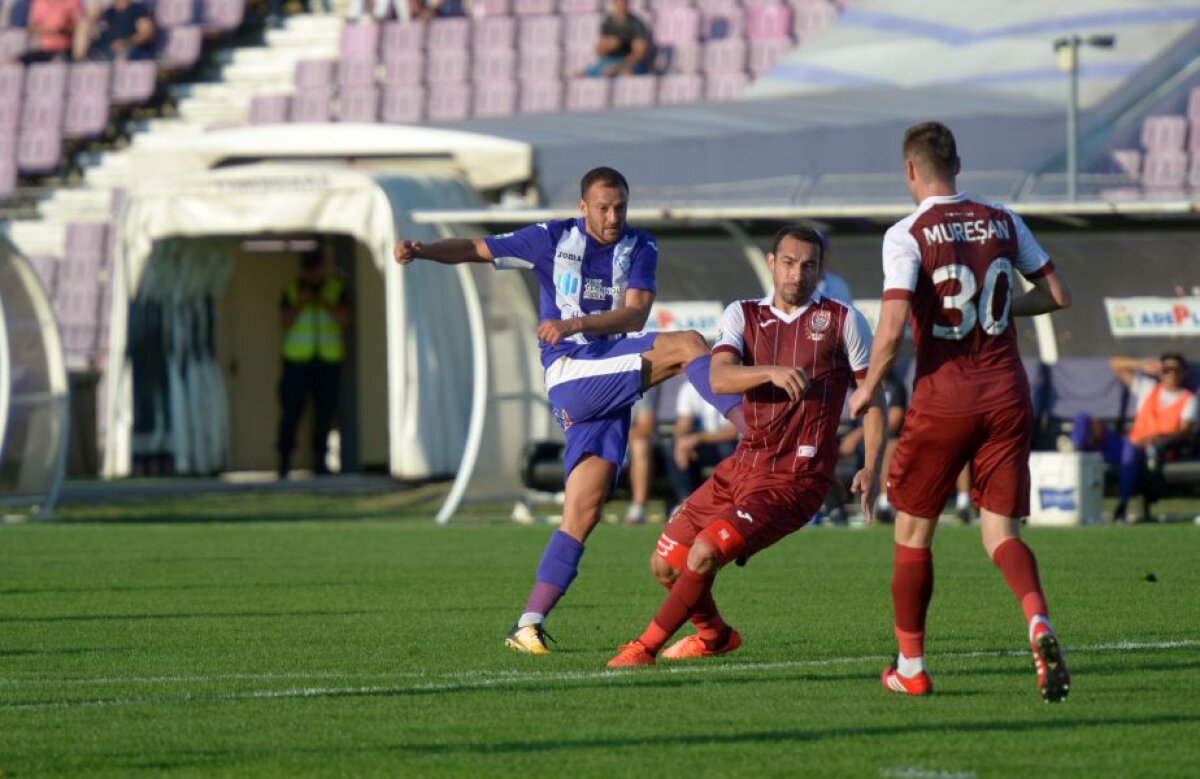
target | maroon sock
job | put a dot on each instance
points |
(912, 589)
(710, 625)
(1016, 561)
(687, 591)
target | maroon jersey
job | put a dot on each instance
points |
(831, 342)
(954, 258)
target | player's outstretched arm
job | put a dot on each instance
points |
(448, 251)
(893, 315)
(729, 377)
(866, 482)
(1050, 293)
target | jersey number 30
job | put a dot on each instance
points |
(963, 301)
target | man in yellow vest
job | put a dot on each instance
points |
(1166, 418)
(315, 313)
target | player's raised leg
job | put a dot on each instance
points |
(587, 487)
(688, 352)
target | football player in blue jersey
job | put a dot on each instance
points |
(597, 280)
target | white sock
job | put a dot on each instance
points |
(909, 666)
(1038, 620)
(531, 618)
(636, 511)
(882, 503)
(963, 501)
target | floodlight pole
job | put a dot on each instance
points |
(1073, 122)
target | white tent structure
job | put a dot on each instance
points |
(34, 403)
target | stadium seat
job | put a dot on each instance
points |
(768, 19)
(12, 81)
(676, 24)
(534, 7)
(724, 86)
(180, 47)
(86, 115)
(359, 41)
(542, 32)
(222, 15)
(680, 88)
(631, 91)
(810, 17)
(1193, 178)
(1164, 169)
(313, 104)
(721, 19)
(577, 59)
(44, 266)
(356, 72)
(448, 33)
(1084, 385)
(494, 65)
(134, 81)
(269, 109)
(491, 33)
(535, 63)
(172, 13)
(311, 73)
(1194, 136)
(447, 66)
(680, 58)
(581, 31)
(569, 8)
(8, 176)
(400, 37)
(39, 149)
(540, 96)
(12, 44)
(495, 98)
(449, 102)
(1164, 133)
(724, 56)
(766, 54)
(44, 79)
(1193, 105)
(491, 7)
(359, 103)
(86, 77)
(42, 111)
(587, 94)
(402, 103)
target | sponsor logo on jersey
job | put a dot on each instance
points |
(567, 283)
(976, 231)
(764, 324)
(563, 418)
(595, 289)
(746, 515)
(806, 451)
(624, 260)
(566, 256)
(818, 325)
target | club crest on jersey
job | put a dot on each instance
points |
(819, 324)
(623, 259)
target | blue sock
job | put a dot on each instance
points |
(558, 568)
(697, 373)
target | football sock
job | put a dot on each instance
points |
(1039, 624)
(1016, 561)
(962, 501)
(636, 512)
(710, 625)
(688, 591)
(882, 504)
(697, 373)
(909, 667)
(531, 618)
(558, 567)
(912, 589)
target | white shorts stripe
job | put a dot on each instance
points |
(566, 369)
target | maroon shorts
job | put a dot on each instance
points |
(933, 450)
(742, 510)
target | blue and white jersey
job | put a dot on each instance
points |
(578, 276)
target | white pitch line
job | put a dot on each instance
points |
(483, 679)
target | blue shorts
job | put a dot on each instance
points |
(591, 391)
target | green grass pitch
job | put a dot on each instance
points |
(372, 646)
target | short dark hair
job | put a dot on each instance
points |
(1175, 356)
(609, 177)
(802, 234)
(933, 144)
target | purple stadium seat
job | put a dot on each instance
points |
(180, 47)
(541, 96)
(766, 54)
(448, 102)
(540, 32)
(534, 7)
(38, 149)
(270, 109)
(12, 80)
(1164, 133)
(448, 33)
(724, 86)
(1193, 105)
(494, 32)
(721, 19)
(8, 176)
(172, 13)
(314, 73)
(768, 19)
(85, 243)
(569, 8)
(681, 57)
(10, 115)
(1164, 169)
(495, 98)
(447, 66)
(577, 59)
(494, 65)
(587, 94)
(406, 67)
(134, 81)
(1127, 161)
(86, 115)
(680, 88)
(42, 111)
(12, 44)
(356, 72)
(491, 7)
(402, 103)
(811, 17)
(358, 104)
(359, 41)
(88, 77)
(44, 266)
(677, 24)
(724, 56)
(1193, 177)
(630, 91)
(1194, 136)
(313, 104)
(580, 32)
(537, 63)
(44, 79)
(1084, 385)
(222, 15)
(398, 37)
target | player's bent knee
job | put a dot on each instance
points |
(663, 571)
(673, 554)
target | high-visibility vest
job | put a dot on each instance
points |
(1153, 419)
(315, 334)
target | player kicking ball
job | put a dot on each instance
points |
(793, 354)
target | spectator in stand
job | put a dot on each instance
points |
(424, 10)
(126, 31)
(1165, 422)
(275, 9)
(641, 455)
(57, 30)
(703, 438)
(624, 46)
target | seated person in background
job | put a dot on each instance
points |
(126, 31)
(624, 44)
(895, 403)
(52, 26)
(424, 10)
(641, 455)
(703, 438)
(1165, 420)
